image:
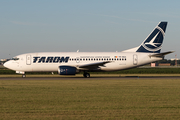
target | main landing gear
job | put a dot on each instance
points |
(86, 75)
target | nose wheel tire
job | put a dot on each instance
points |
(86, 75)
(23, 76)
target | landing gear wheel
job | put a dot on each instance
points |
(86, 75)
(23, 76)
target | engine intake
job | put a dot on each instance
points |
(66, 70)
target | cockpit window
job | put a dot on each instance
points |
(5, 60)
(15, 58)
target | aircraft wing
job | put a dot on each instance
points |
(94, 65)
(161, 54)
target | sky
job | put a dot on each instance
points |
(86, 25)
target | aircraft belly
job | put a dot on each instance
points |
(41, 68)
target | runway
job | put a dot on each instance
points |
(82, 78)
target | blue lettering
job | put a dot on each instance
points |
(64, 59)
(50, 59)
(42, 59)
(56, 59)
(35, 59)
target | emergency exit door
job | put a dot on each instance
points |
(28, 59)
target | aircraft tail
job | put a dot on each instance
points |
(153, 43)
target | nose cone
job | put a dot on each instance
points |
(6, 64)
(10, 65)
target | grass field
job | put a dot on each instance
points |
(92, 98)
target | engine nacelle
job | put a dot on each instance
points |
(66, 70)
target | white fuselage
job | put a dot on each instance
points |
(70, 63)
(50, 61)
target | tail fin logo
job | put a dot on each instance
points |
(153, 43)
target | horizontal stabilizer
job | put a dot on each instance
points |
(161, 54)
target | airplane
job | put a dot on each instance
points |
(71, 63)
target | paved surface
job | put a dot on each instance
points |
(82, 78)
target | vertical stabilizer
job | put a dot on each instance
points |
(153, 43)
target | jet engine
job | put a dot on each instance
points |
(66, 70)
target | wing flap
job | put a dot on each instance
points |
(94, 65)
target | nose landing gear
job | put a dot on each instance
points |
(23, 76)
